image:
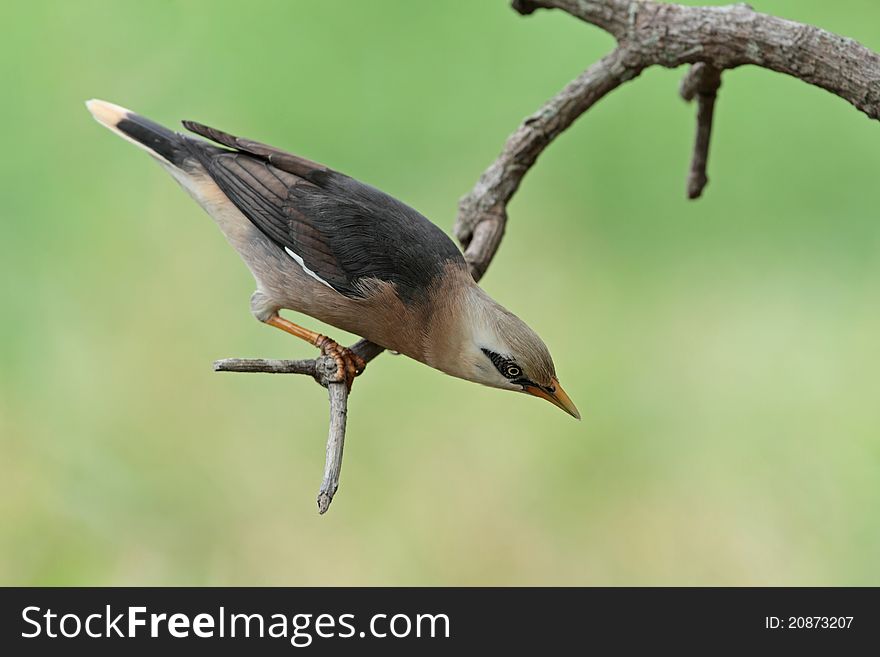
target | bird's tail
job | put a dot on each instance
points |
(165, 145)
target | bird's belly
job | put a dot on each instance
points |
(281, 280)
(379, 317)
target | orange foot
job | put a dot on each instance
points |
(348, 363)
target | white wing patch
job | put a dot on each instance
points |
(308, 271)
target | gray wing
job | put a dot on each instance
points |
(343, 230)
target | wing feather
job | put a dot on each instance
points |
(344, 232)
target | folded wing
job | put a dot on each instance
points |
(341, 231)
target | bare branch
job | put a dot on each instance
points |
(611, 15)
(660, 34)
(702, 81)
(267, 366)
(324, 370)
(482, 214)
(338, 393)
(726, 37)
(366, 350)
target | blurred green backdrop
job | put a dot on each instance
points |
(725, 353)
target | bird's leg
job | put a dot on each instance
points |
(348, 363)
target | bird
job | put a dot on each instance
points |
(325, 245)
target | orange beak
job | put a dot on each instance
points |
(556, 396)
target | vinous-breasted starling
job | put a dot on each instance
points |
(325, 245)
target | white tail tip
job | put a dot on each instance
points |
(106, 113)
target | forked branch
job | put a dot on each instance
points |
(324, 370)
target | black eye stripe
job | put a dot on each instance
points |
(504, 365)
(498, 360)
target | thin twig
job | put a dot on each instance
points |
(702, 81)
(266, 366)
(338, 394)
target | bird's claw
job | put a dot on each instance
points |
(348, 364)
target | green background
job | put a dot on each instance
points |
(725, 353)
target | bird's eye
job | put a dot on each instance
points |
(506, 367)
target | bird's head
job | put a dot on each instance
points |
(501, 351)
